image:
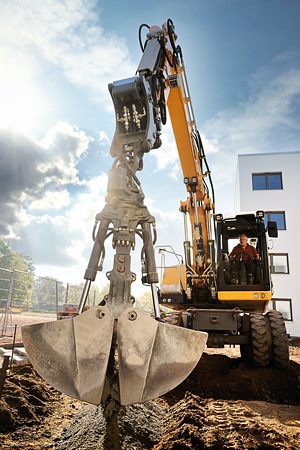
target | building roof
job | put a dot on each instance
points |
(269, 153)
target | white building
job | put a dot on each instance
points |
(271, 182)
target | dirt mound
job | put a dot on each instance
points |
(221, 377)
(26, 400)
(195, 423)
(224, 403)
(31, 411)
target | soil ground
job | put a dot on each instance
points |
(223, 404)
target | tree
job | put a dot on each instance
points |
(74, 292)
(47, 293)
(22, 269)
(145, 302)
(104, 291)
(11, 260)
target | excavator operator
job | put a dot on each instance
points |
(242, 256)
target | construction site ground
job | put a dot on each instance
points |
(224, 404)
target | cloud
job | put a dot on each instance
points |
(167, 154)
(266, 119)
(67, 34)
(103, 138)
(104, 143)
(35, 174)
(51, 199)
(63, 239)
(271, 106)
(43, 238)
(48, 206)
(66, 144)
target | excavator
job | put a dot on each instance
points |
(115, 353)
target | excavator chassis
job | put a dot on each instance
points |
(262, 338)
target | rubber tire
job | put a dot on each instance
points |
(280, 355)
(260, 346)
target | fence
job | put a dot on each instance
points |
(22, 293)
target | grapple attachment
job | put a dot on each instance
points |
(72, 355)
(80, 356)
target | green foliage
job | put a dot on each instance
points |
(21, 277)
(74, 291)
(11, 260)
(145, 302)
(47, 294)
(104, 291)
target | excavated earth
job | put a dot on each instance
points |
(223, 404)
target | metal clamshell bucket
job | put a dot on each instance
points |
(72, 354)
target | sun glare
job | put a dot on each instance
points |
(19, 103)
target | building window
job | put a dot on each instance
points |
(283, 305)
(276, 216)
(267, 180)
(279, 263)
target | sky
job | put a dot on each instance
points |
(57, 120)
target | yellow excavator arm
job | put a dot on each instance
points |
(188, 142)
(199, 206)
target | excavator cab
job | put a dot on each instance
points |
(241, 281)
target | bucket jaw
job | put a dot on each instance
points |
(72, 355)
(154, 357)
